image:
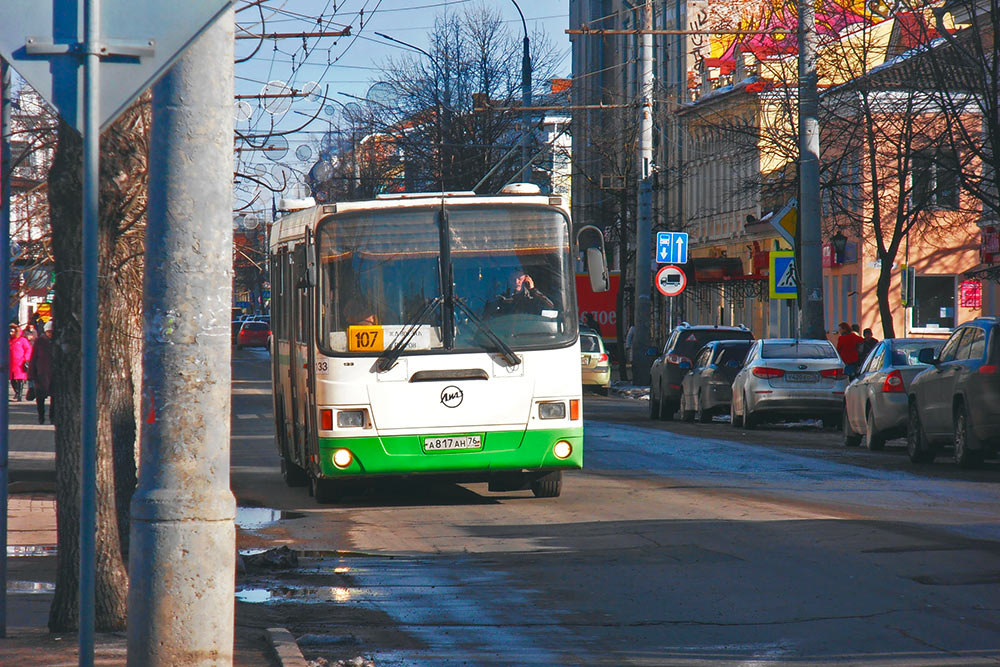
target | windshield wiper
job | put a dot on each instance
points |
(508, 354)
(390, 355)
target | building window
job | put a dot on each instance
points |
(934, 303)
(935, 180)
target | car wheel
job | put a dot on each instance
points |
(325, 491)
(293, 474)
(851, 439)
(750, 420)
(686, 414)
(603, 391)
(734, 420)
(874, 440)
(667, 410)
(701, 415)
(917, 447)
(964, 439)
(654, 404)
(832, 422)
(548, 485)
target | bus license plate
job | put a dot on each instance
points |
(452, 442)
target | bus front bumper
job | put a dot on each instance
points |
(500, 451)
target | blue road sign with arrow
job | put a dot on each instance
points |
(672, 247)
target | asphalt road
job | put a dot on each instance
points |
(678, 544)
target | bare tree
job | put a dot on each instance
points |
(449, 115)
(124, 151)
(884, 135)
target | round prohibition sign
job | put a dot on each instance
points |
(670, 280)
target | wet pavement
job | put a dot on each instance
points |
(678, 544)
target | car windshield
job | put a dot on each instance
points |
(255, 326)
(798, 350)
(590, 343)
(689, 342)
(381, 269)
(904, 353)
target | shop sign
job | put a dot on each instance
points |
(970, 294)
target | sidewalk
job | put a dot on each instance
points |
(31, 561)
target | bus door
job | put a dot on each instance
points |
(281, 319)
(299, 358)
(294, 371)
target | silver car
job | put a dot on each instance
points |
(788, 378)
(875, 403)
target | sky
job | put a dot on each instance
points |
(338, 65)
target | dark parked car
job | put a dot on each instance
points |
(957, 399)
(254, 334)
(875, 404)
(707, 389)
(668, 370)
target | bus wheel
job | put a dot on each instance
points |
(293, 474)
(548, 485)
(325, 491)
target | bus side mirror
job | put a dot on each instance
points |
(309, 277)
(597, 270)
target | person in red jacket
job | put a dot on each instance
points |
(847, 348)
(20, 355)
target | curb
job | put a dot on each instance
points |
(285, 647)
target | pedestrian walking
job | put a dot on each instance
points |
(20, 355)
(847, 347)
(40, 371)
(868, 344)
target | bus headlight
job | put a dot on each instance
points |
(554, 410)
(351, 418)
(562, 449)
(342, 458)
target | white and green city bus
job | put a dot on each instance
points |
(427, 334)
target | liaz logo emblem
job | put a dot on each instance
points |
(451, 396)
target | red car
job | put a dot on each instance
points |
(254, 334)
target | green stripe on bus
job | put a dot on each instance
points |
(404, 454)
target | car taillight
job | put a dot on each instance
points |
(893, 383)
(767, 373)
(602, 358)
(989, 369)
(833, 373)
(677, 359)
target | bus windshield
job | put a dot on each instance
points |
(380, 272)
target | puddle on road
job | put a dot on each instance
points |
(18, 550)
(304, 594)
(255, 518)
(30, 587)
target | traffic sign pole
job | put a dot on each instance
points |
(88, 358)
(5, 174)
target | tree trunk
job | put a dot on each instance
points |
(882, 292)
(121, 225)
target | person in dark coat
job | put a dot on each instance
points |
(40, 371)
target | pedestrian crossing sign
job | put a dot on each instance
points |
(781, 280)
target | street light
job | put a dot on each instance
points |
(525, 95)
(839, 243)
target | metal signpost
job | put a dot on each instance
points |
(672, 247)
(90, 59)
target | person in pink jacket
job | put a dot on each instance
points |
(20, 355)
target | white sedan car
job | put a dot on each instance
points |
(788, 378)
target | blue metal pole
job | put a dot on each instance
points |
(88, 366)
(5, 166)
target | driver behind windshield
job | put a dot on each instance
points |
(521, 296)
